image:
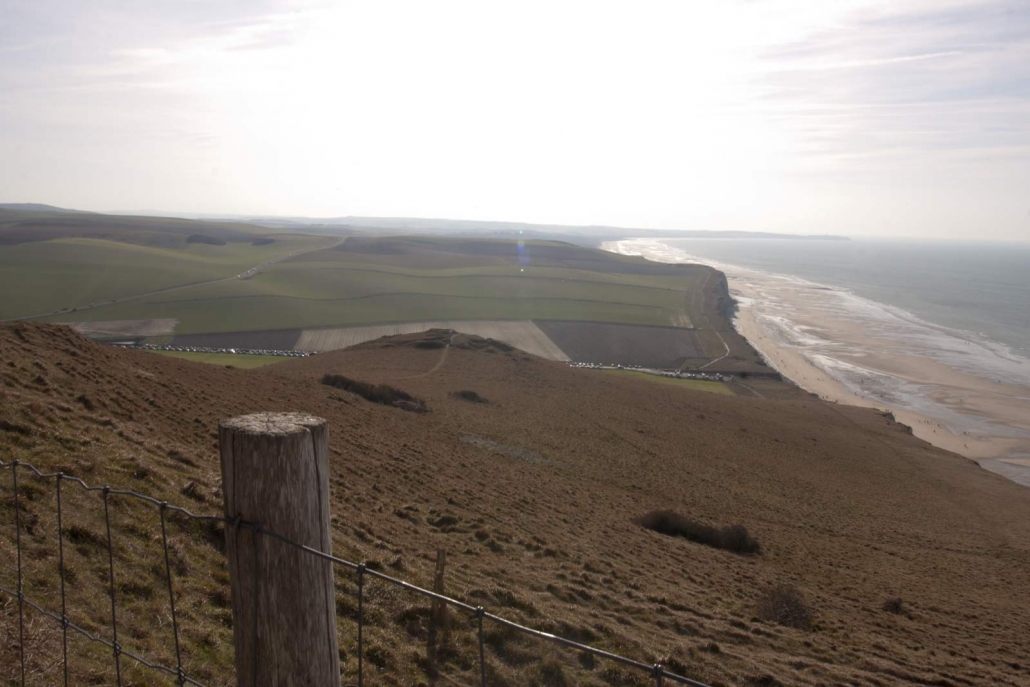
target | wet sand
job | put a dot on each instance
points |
(956, 388)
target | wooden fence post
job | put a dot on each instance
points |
(275, 474)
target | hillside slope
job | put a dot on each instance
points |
(534, 496)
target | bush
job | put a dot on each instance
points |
(895, 606)
(784, 605)
(377, 393)
(430, 344)
(734, 538)
(470, 396)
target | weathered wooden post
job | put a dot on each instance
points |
(275, 474)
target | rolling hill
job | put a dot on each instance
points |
(60, 262)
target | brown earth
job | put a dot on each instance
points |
(534, 497)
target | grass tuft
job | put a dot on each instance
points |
(784, 605)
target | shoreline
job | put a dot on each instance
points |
(983, 420)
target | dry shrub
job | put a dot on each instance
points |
(895, 606)
(784, 605)
(734, 538)
(377, 393)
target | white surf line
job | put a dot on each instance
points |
(242, 275)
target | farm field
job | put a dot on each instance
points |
(74, 272)
(695, 384)
(21, 227)
(271, 339)
(336, 287)
(524, 335)
(614, 344)
(125, 329)
(559, 300)
(243, 362)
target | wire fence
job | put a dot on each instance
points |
(362, 573)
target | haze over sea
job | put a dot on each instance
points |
(940, 329)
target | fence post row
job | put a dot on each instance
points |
(275, 476)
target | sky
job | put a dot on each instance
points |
(856, 117)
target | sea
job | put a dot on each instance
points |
(965, 304)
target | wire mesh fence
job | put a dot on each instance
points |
(480, 628)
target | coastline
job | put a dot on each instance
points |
(843, 360)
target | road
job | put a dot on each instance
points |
(242, 275)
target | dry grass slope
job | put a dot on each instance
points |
(533, 496)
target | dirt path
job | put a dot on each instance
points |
(439, 363)
(242, 275)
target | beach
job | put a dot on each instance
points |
(960, 395)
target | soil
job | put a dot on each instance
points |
(849, 508)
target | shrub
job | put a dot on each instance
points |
(895, 606)
(470, 396)
(377, 393)
(430, 344)
(784, 605)
(734, 538)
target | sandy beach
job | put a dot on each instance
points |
(958, 389)
(852, 356)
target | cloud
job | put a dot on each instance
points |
(928, 79)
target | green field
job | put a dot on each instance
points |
(338, 288)
(696, 384)
(75, 272)
(244, 362)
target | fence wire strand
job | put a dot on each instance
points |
(656, 671)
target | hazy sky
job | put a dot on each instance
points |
(855, 117)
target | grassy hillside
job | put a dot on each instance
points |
(25, 226)
(368, 281)
(58, 260)
(70, 273)
(909, 562)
